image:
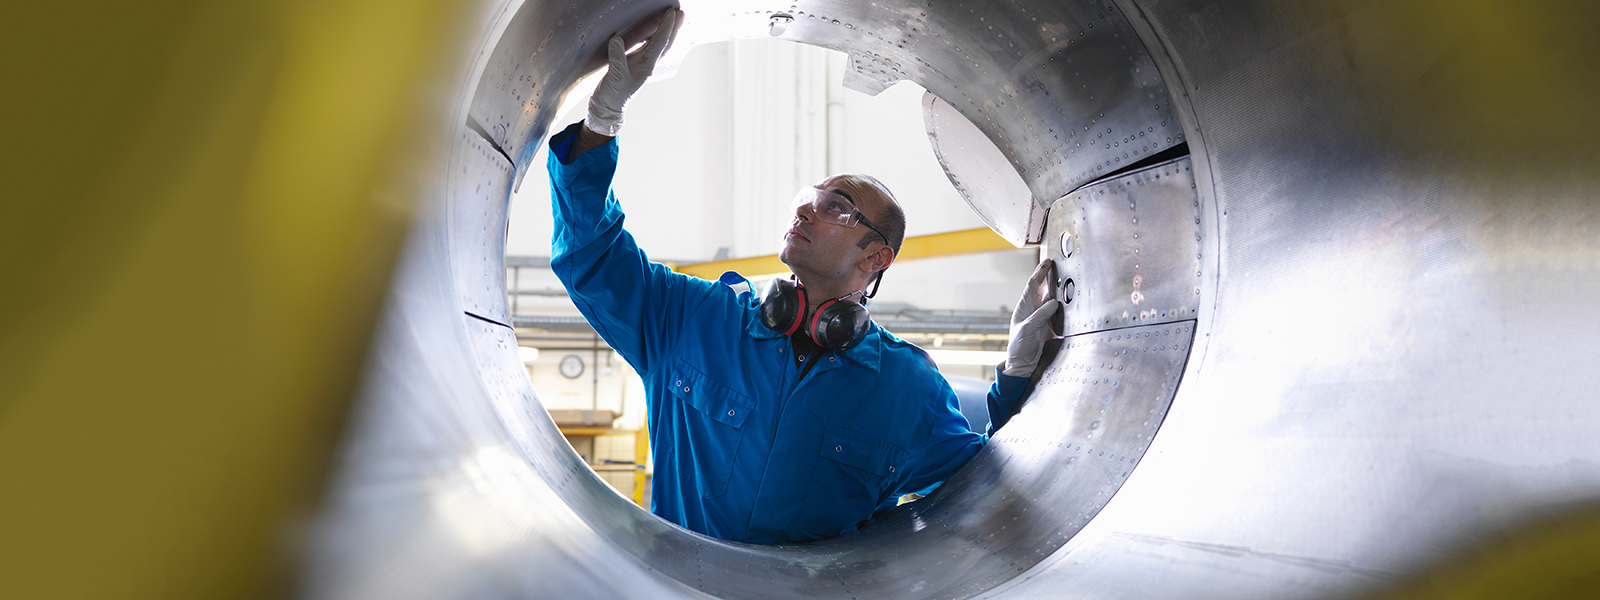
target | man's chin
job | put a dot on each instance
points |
(787, 256)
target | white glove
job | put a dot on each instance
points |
(627, 73)
(1030, 325)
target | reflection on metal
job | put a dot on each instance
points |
(981, 174)
(953, 243)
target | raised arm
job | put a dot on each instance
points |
(635, 304)
(638, 306)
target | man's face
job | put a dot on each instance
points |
(815, 246)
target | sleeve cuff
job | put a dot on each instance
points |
(561, 143)
(1010, 387)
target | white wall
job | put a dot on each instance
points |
(719, 150)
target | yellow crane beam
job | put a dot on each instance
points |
(952, 243)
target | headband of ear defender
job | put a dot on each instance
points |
(837, 325)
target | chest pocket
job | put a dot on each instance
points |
(872, 462)
(713, 425)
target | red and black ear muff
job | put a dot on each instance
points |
(839, 324)
(783, 306)
(817, 321)
(836, 325)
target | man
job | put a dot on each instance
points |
(762, 435)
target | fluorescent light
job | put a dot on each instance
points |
(527, 354)
(967, 357)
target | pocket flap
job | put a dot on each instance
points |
(863, 452)
(712, 399)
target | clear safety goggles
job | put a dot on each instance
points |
(829, 207)
(834, 208)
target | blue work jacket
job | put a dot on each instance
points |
(745, 449)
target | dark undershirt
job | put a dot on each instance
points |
(806, 352)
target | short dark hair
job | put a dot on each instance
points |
(891, 220)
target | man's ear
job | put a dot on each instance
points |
(877, 260)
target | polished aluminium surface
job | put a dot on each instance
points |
(1370, 375)
(1131, 246)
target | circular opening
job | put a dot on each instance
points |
(1044, 475)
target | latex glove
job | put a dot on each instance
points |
(1030, 326)
(627, 73)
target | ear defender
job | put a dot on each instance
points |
(837, 325)
(783, 306)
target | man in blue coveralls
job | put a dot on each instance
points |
(760, 436)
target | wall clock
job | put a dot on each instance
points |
(571, 366)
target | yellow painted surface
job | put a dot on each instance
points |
(641, 458)
(1555, 557)
(954, 243)
(594, 431)
(203, 204)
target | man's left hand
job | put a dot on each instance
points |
(627, 73)
(1030, 325)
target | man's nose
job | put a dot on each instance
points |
(804, 212)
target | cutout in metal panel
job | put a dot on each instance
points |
(980, 172)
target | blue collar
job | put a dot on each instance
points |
(868, 353)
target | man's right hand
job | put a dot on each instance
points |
(626, 73)
(1030, 325)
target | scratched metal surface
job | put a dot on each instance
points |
(1387, 358)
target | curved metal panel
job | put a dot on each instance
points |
(545, 47)
(1131, 247)
(1065, 89)
(479, 184)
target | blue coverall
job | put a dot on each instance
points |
(744, 448)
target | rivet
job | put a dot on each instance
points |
(730, 413)
(838, 448)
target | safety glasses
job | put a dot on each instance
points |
(834, 208)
